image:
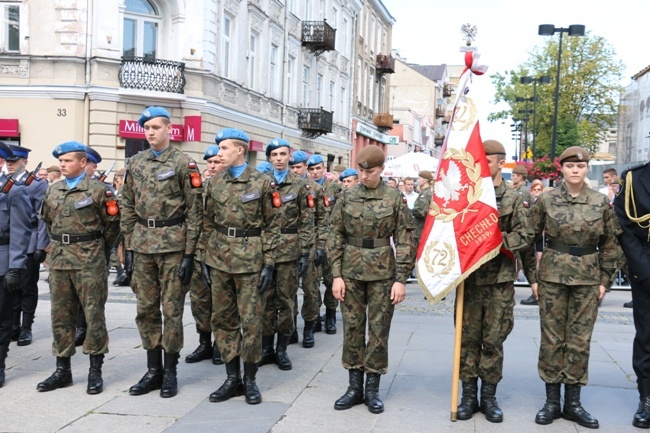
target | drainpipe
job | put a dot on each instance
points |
(285, 61)
(87, 81)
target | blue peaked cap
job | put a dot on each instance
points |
(211, 151)
(275, 144)
(347, 173)
(93, 155)
(231, 134)
(18, 152)
(151, 112)
(297, 157)
(67, 147)
(5, 151)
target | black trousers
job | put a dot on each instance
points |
(641, 345)
(26, 300)
(6, 309)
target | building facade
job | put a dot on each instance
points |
(633, 140)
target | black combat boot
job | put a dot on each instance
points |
(573, 410)
(61, 377)
(489, 405)
(216, 355)
(233, 386)
(372, 400)
(122, 279)
(204, 351)
(308, 334)
(169, 386)
(251, 391)
(153, 378)
(330, 321)
(469, 400)
(80, 335)
(3, 356)
(268, 352)
(95, 381)
(318, 326)
(283, 361)
(294, 336)
(642, 416)
(551, 410)
(354, 394)
(25, 337)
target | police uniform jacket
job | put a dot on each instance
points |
(15, 227)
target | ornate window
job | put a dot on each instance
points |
(141, 26)
(10, 35)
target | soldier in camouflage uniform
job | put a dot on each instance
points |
(576, 269)
(240, 257)
(369, 277)
(161, 216)
(519, 175)
(422, 203)
(312, 298)
(295, 222)
(15, 230)
(349, 177)
(490, 298)
(82, 219)
(200, 294)
(330, 190)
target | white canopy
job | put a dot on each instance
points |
(409, 165)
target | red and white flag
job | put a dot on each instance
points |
(461, 231)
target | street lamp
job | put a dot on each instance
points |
(525, 112)
(544, 79)
(550, 30)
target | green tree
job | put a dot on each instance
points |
(590, 77)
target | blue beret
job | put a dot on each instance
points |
(297, 157)
(67, 147)
(18, 152)
(5, 151)
(151, 112)
(231, 134)
(211, 151)
(348, 172)
(314, 160)
(92, 155)
(264, 167)
(275, 144)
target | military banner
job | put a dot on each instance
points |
(461, 231)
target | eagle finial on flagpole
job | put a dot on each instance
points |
(469, 32)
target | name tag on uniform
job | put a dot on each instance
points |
(254, 195)
(166, 174)
(289, 197)
(79, 204)
(356, 199)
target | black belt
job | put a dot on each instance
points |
(154, 223)
(73, 239)
(368, 243)
(572, 249)
(4, 240)
(234, 232)
(289, 230)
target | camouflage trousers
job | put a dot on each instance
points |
(200, 300)
(156, 284)
(69, 290)
(488, 319)
(329, 300)
(279, 305)
(366, 303)
(311, 299)
(567, 318)
(237, 309)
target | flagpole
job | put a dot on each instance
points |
(460, 292)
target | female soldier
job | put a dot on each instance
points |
(575, 270)
(368, 275)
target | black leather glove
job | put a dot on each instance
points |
(40, 256)
(303, 265)
(128, 263)
(319, 257)
(12, 279)
(186, 268)
(266, 276)
(205, 275)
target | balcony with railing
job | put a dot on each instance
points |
(447, 90)
(383, 121)
(152, 74)
(314, 122)
(318, 36)
(385, 64)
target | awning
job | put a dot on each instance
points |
(9, 128)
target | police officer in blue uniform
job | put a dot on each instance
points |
(15, 233)
(26, 299)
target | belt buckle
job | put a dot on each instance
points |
(151, 223)
(368, 243)
(65, 238)
(232, 232)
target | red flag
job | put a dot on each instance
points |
(461, 231)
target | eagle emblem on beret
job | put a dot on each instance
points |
(146, 113)
(579, 155)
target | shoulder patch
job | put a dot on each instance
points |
(526, 204)
(192, 165)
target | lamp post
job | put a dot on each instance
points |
(544, 79)
(515, 128)
(550, 30)
(525, 112)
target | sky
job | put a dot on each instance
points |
(428, 32)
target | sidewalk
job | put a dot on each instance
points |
(416, 390)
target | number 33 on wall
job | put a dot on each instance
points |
(61, 112)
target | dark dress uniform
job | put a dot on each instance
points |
(632, 206)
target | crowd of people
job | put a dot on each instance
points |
(243, 240)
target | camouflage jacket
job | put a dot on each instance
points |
(523, 192)
(378, 213)
(583, 221)
(321, 215)
(517, 235)
(295, 213)
(421, 209)
(160, 188)
(79, 211)
(242, 203)
(331, 191)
